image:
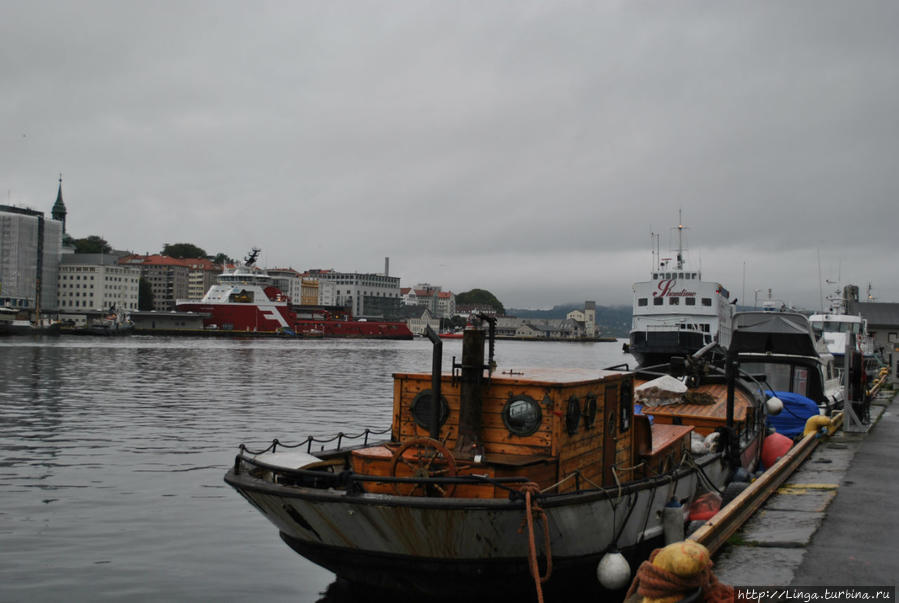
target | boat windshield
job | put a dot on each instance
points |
(834, 326)
(781, 377)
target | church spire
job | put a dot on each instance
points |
(59, 208)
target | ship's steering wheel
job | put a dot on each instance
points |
(425, 458)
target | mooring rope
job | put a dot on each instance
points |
(532, 511)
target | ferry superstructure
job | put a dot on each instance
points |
(675, 312)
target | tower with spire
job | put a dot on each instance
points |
(59, 208)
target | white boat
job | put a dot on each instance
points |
(676, 313)
(837, 329)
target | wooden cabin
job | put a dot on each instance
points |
(565, 429)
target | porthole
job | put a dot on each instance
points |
(573, 415)
(589, 411)
(422, 409)
(522, 415)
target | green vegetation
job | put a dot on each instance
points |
(144, 295)
(480, 297)
(91, 244)
(183, 250)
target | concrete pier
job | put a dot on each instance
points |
(834, 522)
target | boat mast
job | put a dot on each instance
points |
(680, 240)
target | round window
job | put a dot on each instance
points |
(522, 415)
(422, 407)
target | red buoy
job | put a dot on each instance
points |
(775, 446)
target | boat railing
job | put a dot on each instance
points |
(310, 440)
(323, 477)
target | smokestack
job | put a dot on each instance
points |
(387, 266)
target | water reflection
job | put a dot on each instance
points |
(112, 455)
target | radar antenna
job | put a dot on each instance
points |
(251, 259)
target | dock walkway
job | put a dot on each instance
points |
(834, 522)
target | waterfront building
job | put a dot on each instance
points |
(202, 274)
(289, 281)
(365, 295)
(442, 304)
(30, 247)
(586, 318)
(418, 318)
(168, 278)
(883, 327)
(97, 282)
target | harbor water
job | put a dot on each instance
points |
(113, 453)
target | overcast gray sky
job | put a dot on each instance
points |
(528, 148)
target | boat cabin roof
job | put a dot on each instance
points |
(538, 376)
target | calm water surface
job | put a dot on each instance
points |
(113, 453)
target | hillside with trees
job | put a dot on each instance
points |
(480, 297)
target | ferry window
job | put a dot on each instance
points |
(657, 301)
(673, 301)
(422, 407)
(522, 415)
(655, 275)
(706, 301)
(641, 301)
(690, 301)
(705, 328)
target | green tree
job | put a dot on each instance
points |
(183, 250)
(221, 258)
(144, 295)
(91, 244)
(480, 297)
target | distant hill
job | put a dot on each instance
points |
(613, 321)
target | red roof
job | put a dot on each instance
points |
(164, 260)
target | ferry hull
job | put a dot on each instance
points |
(658, 347)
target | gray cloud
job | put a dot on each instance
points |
(529, 147)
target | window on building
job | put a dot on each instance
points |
(706, 301)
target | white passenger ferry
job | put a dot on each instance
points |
(676, 312)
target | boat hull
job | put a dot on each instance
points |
(431, 546)
(650, 348)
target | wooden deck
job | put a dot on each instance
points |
(704, 417)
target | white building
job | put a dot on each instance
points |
(587, 317)
(30, 246)
(365, 295)
(289, 281)
(89, 281)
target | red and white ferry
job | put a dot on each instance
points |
(245, 299)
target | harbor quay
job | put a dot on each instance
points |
(833, 523)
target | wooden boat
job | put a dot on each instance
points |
(443, 506)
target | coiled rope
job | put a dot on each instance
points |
(534, 511)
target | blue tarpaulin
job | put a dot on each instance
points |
(797, 409)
